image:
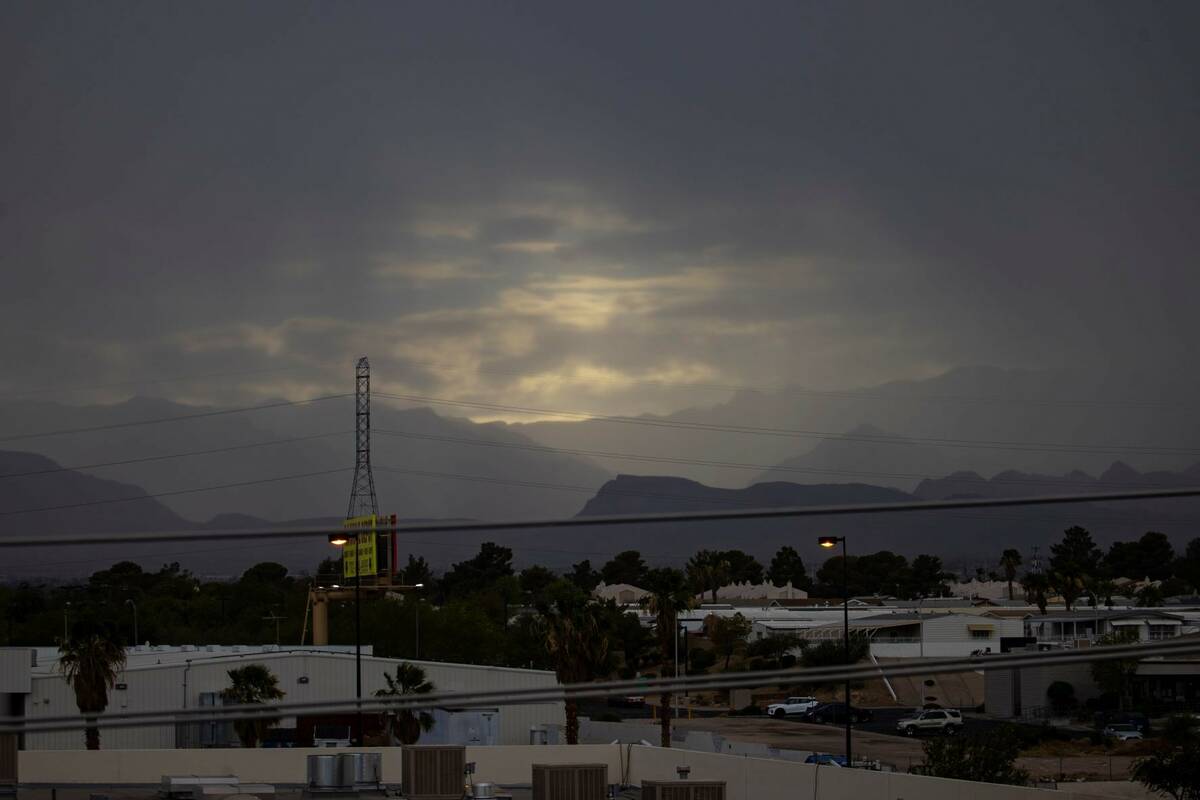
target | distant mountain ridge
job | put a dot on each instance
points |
(961, 405)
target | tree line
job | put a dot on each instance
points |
(1078, 569)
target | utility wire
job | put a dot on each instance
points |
(708, 499)
(757, 467)
(1049, 447)
(606, 520)
(159, 381)
(179, 418)
(576, 691)
(172, 456)
(193, 490)
(847, 394)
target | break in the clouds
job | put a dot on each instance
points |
(548, 203)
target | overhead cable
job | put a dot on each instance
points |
(177, 418)
(605, 520)
(576, 691)
(1050, 447)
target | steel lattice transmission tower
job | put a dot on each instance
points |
(362, 491)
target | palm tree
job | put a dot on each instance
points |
(406, 724)
(669, 594)
(91, 666)
(1010, 559)
(576, 638)
(708, 570)
(253, 684)
(1037, 587)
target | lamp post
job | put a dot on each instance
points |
(341, 540)
(133, 605)
(829, 542)
(417, 623)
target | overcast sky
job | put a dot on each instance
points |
(544, 203)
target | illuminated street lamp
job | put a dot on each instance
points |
(341, 540)
(829, 542)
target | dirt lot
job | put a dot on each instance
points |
(899, 751)
(801, 736)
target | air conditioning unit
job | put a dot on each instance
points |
(683, 790)
(570, 781)
(432, 772)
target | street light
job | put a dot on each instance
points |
(133, 605)
(417, 623)
(341, 540)
(829, 542)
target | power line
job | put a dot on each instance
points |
(605, 520)
(160, 420)
(1049, 447)
(576, 691)
(173, 493)
(848, 394)
(157, 381)
(726, 501)
(171, 456)
(743, 466)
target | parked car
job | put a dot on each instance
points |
(836, 712)
(628, 701)
(1139, 721)
(825, 759)
(946, 720)
(1123, 733)
(793, 705)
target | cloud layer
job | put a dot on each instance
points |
(549, 204)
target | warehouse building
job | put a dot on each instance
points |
(174, 678)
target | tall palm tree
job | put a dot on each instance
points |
(1010, 559)
(669, 594)
(1037, 589)
(406, 724)
(708, 570)
(91, 666)
(253, 684)
(577, 639)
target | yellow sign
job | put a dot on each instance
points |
(358, 554)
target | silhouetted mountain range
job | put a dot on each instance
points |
(426, 465)
(117, 506)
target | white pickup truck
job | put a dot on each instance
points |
(793, 705)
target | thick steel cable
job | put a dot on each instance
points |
(617, 519)
(550, 694)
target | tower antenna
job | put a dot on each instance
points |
(362, 490)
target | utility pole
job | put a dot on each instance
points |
(276, 618)
(133, 605)
(362, 503)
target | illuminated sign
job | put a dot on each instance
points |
(358, 554)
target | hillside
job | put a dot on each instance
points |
(426, 465)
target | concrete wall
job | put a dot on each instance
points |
(746, 778)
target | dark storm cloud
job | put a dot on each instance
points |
(680, 190)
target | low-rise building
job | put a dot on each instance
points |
(195, 678)
(1088, 624)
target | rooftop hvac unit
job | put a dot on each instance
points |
(683, 790)
(570, 781)
(432, 772)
